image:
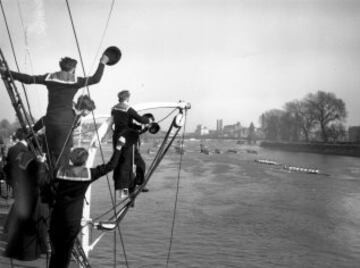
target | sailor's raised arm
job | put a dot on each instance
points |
(139, 118)
(103, 169)
(96, 77)
(28, 79)
(23, 78)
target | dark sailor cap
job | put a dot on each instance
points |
(114, 55)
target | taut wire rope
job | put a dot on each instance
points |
(97, 134)
(27, 49)
(28, 120)
(176, 195)
(16, 61)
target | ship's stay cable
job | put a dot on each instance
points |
(176, 195)
(93, 115)
(114, 221)
(104, 32)
(165, 117)
(151, 167)
(15, 58)
(27, 53)
(31, 119)
(158, 157)
(19, 104)
(27, 47)
(121, 214)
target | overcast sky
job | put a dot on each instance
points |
(231, 59)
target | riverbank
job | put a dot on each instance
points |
(346, 149)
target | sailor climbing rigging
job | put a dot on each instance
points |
(82, 107)
(73, 181)
(62, 86)
(125, 172)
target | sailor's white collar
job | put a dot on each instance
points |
(24, 142)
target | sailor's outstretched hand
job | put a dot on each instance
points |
(104, 59)
(150, 117)
(120, 143)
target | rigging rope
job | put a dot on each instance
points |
(25, 35)
(25, 121)
(100, 147)
(176, 195)
(158, 157)
(165, 117)
(15, 58)
(19, 108)
(103, 33)
(27, 47)
(164, 147)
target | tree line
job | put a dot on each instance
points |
(318, 116)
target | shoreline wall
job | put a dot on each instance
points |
(321, 148)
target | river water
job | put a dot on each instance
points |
(234, 212)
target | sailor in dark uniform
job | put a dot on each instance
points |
(26, 225)
(131, 162)
(62, 87)
(20, 146)
(82, 108)
(73, 181)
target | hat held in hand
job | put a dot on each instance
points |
(154, 128)
(114, 55)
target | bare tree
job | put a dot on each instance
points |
(326, 108)
(336, 132)
(270, 124)
(304, 119)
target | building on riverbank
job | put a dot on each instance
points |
(354, 134)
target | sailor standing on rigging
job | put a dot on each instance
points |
(62, 87)
(73, 181)
(122, 118)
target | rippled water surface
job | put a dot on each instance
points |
(233, 212)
